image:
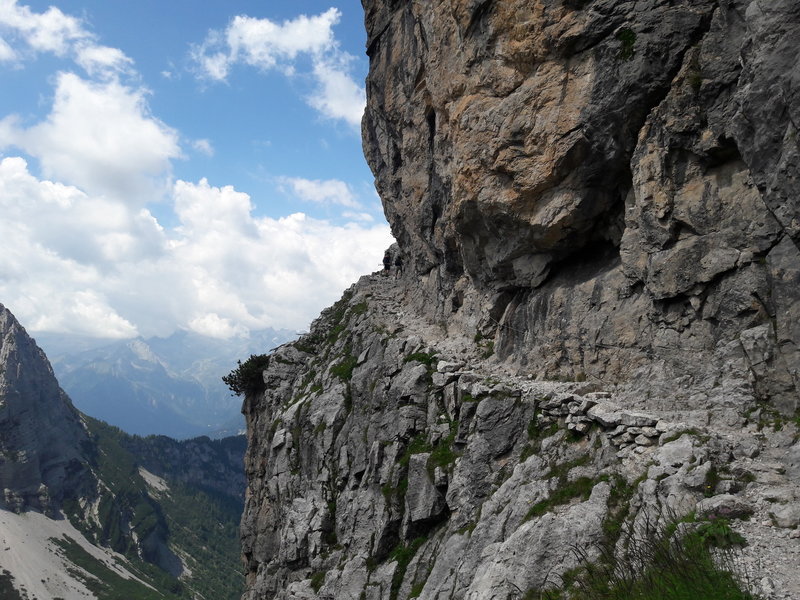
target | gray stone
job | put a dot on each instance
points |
(725, 506)
(676, 453)
(424, 502)
(786, 516)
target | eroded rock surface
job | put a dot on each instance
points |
(388, 459)
(607, 188)
(600, 192)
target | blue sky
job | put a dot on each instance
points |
(178, 164)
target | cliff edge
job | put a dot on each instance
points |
(597, 328)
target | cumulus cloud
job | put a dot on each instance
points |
(56, 33)
(101, 137)
(50, 31)
(327, 191)
(79, 263)
(337, 96)
(267, 45)
(81, 251)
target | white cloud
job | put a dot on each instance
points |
(358, 216)
(337, 96)
(57, 33)
(7, 53)
(100, 137)
(328, 191)
(203, 147)
(74, 262)
(213, 325)
(50, 31)
(268, 45)
(263, 43)
(102, 61)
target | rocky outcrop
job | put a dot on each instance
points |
(42, 439)
(606, 189)
(388, 459)
(597, 202)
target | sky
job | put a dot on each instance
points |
(182, 164)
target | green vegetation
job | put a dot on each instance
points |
(335, 316)
(247, 378)
(403, 554)
(694, 75)
(107, 584)
(682, 560)
(205, 525)
(627, 39)
(7, 590)
(417, 445)
(426, 358)
(317, 580)
(768, 416)
(657, 565)
(442, 454)
(565, 490)
(485, 346)
(535, 436)
(580, 488)
(202, 523)
(711, 482)
(124, 507)
(333, 319)
(344, 369)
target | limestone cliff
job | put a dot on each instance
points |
(597, 201)
(607, 187)
(42, 439)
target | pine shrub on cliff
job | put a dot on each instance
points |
(246, 378)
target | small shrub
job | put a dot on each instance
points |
(658, 564)
(627, 39)
(317, 580)
(426, 358)
(711, 482)
(717, 533)
(247, 378)
(443, 455)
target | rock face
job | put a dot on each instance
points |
(389, 459)
(607, 188)
(42, 439)
(595, 191)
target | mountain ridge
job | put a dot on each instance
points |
(165, 386)
(82, 514)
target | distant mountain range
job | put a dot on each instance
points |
(88, 511)
(167, 386)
